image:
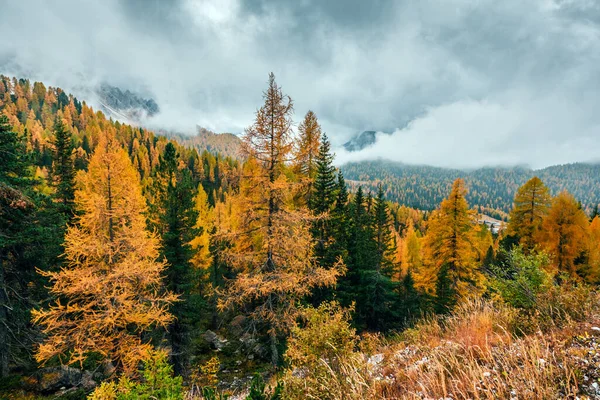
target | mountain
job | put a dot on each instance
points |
(226, 144)
(361, 141)
(125, 105)
(490, 189)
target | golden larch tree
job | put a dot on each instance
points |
(530, 206)
(412, 259)
(450, 242)
(592, 272)
(202, 257)
(110, 290)
(307, 146)
(564, 233)
(272, 245)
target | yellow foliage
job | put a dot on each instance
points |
(530, 206)
(109, 291)
(564, 232)
(451, 241)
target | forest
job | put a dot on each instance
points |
(491, 190)
(135, 266)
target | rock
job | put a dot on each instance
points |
(53, 379)
(214, 339)
(252, 347)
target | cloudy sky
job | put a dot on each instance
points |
(460, 83)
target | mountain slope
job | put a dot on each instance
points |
(492, 189)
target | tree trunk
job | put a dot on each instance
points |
(274, 351)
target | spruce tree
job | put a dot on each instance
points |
(31, 231)
(63, 169)
(412, 303)
(174, 210)
(445, 292)
(322, 201)
(380, 292)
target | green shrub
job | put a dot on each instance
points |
(158, 383)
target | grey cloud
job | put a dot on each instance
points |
(459, 83)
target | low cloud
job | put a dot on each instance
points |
(460, 83)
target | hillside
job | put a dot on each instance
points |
(492, 189)
(190, 275)
(226, 144)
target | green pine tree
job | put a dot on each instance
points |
(322, 201)
(445, 293)
(63, 169)
(173, 192)
(31, 231)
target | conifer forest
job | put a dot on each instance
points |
(140, 260)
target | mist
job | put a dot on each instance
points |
(458, 83)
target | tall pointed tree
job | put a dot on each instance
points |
(272, 251)
(173, 209)
(308, 146)
(109, 292)
(564, 233)
(306, 152)
(322, 200)
(31, 228)
(63, 170)
(450, 245)
(380, 293)
(530, 206)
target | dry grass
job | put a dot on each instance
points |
(477, 353)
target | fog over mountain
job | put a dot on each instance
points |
(454, 83)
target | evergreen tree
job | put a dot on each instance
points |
(445, 292)
(380, 292)
(322, 201)
(63, 169)
(412, 303)
(176, 218)
(30, 233)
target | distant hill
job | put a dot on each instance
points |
(226, 144)
(491, 189)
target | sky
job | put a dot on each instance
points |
(451, 83)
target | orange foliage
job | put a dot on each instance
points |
(109, 292)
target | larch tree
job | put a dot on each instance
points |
(592, 271)
(110, 291)
(564, 233)
(63, 170)
(451, 247)
(306, 152)
(272, 250)
(530, 206)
